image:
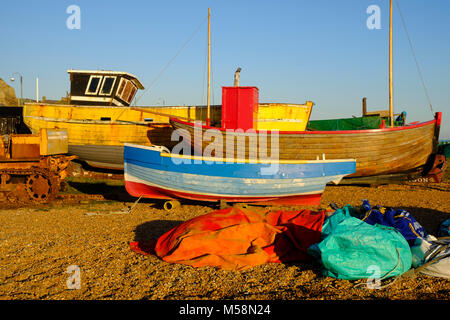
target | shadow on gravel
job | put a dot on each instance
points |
(117, 192)
(430, 219)
(152, 230)
(108, 191)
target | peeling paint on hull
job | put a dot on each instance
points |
(149, 174)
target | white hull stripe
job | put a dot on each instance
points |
(95, 99)
(134, 179)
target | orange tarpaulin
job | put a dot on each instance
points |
(238, 238)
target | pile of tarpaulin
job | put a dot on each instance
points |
(349, 243)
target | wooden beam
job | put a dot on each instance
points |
(160, 113)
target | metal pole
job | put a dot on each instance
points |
(21, 91)
(391, 91)
(37, 89)
(21, 86)
(236, 77)
(208, 116)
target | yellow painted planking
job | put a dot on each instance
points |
(104, 125)
(283, 117)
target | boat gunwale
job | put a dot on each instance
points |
(43, 104)
(91, 121)
(227, 160)
(406, 127)
(262, 104)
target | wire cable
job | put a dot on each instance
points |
(171, 60)
(415, 58)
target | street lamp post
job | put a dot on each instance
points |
(21, 82)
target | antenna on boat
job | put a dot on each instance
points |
(208, 103)
(391, 91)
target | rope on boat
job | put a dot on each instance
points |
(415, 58)
(171, 60)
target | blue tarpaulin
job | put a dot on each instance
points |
(397, 218)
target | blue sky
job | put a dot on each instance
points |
(292, 51)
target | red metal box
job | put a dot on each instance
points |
(239, 107)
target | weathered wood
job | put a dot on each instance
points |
(377, 151)
(159, 113)
(364, 106)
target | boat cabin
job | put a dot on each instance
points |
(102, 88)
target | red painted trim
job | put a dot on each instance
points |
(138, 189)
(406, 127)
(438, 118)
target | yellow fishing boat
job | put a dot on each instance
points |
(99, 118)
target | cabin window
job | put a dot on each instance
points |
(126, 90)
(122, 84)
(107, 86)
(93, 85)
(132, 93)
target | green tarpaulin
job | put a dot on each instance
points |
(353, 249)
(444, 148)
(357, 123)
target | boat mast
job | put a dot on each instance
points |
(208, 116)
(391, 91)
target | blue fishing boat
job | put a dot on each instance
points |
(153, 172)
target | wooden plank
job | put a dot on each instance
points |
(375, 151)
(159, 113)
(362, 147)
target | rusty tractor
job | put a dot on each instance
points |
(32, 166)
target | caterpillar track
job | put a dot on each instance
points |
(25, 182)
(32, 165)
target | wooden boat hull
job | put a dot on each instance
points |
(99, 156)
(153, 174)
(377, 151)
(97, 133)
